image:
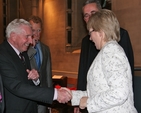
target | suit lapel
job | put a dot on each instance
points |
(16, 61)
(31, 52)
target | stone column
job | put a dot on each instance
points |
(34, 7)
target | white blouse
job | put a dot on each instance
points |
(109, 82)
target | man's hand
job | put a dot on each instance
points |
(83, 102)
(32, 74)
(64, 95)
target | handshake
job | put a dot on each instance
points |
(64, 95)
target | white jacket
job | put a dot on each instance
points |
(109, 82)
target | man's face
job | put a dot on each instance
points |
(36, 28)
(88, 10)
(21, 40)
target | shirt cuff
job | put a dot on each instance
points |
(55, 94)
(36, 82)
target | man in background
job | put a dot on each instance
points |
(40, 58)
(89, 51)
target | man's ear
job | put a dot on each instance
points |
(13, 35)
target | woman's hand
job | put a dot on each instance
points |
(83, 102)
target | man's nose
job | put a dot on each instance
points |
(30, 40)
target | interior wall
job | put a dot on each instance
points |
(25, 8)
(129, 16)
(55, 37)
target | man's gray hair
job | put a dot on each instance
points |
(15, 26)
(97, 2)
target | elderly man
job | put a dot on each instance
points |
(20, 83)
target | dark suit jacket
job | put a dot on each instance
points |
(89, 52)
(20, 93)
(2, 94)
(45, 70)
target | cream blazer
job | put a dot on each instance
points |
(109, 82)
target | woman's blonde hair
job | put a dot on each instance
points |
(105, 20)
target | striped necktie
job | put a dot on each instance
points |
(22, 58)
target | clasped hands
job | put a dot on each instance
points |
(64, 95)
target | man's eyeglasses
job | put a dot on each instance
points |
(88, 15)
(91, 32)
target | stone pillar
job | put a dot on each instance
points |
(34, 7)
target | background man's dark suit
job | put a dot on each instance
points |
(89, 52)
(2, 94)
(20, 93)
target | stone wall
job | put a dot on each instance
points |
(55, 37)
(129, 16)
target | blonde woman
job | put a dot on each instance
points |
(109, 79)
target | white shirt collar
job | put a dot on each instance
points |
(16, 50)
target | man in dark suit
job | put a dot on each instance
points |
(1, 96)
(44, 64)
(20, 83)
(89, 51)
